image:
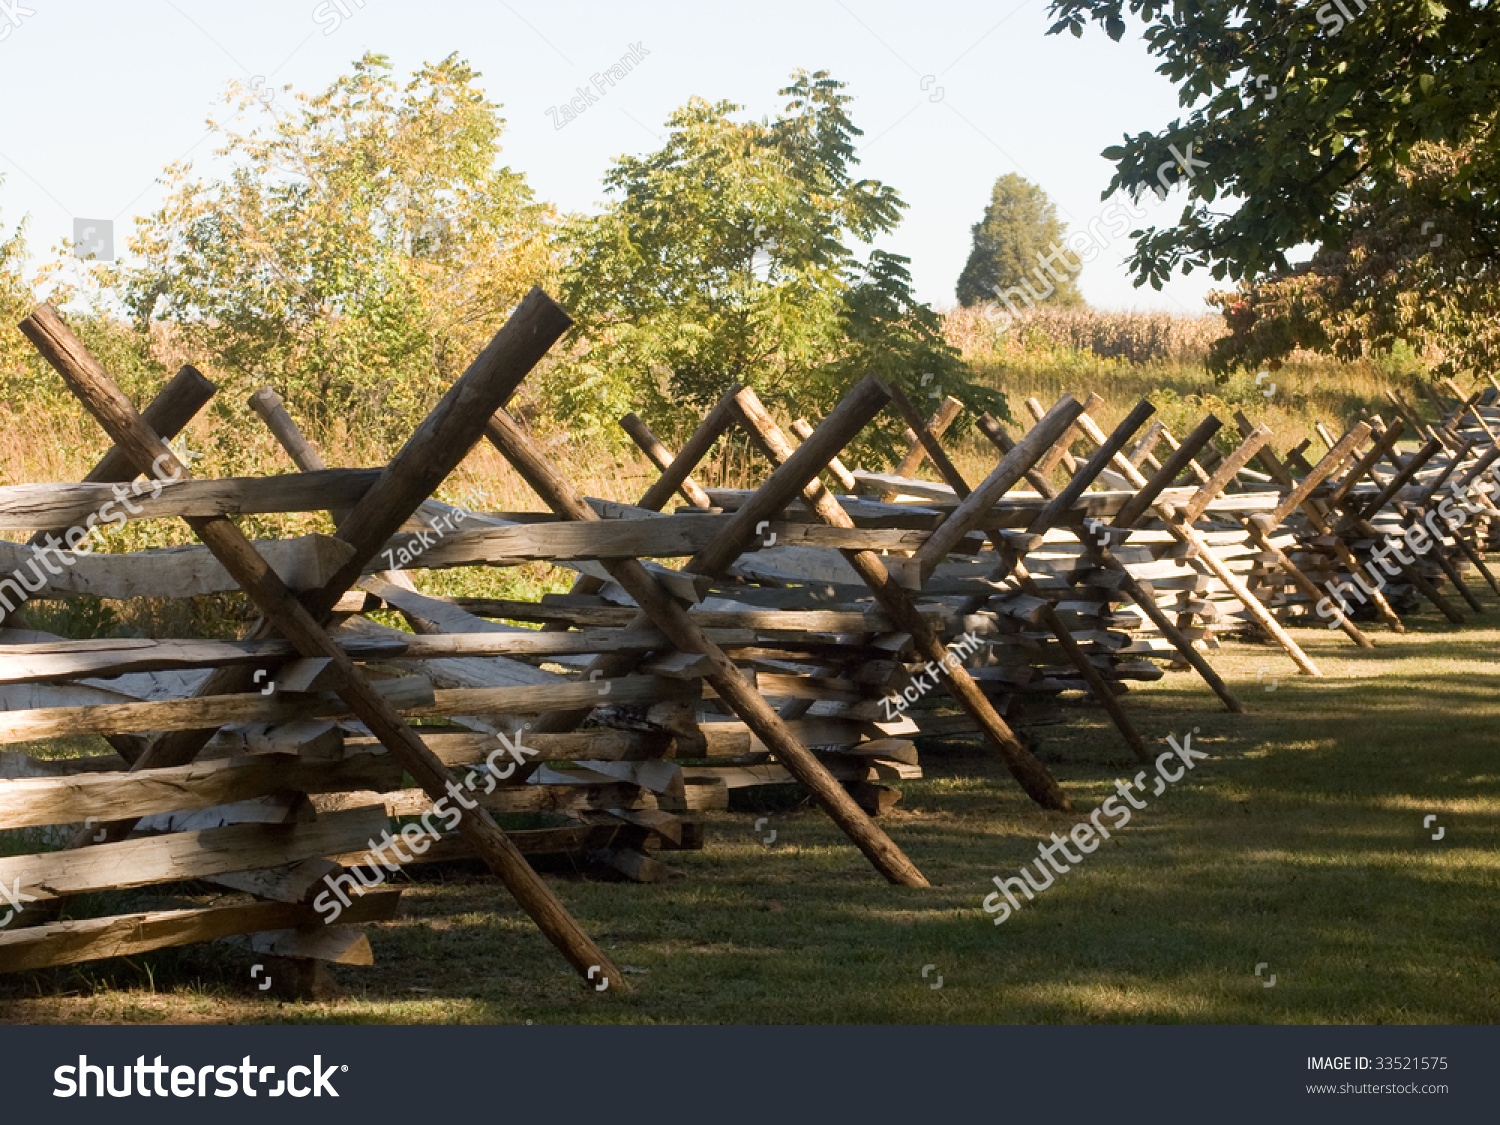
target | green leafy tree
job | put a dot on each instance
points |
(725, 257)
(1020, 229)
(360, 252)
(1321, 125)
(1404, 280)
(15, 299)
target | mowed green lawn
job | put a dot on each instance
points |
(1298, 845)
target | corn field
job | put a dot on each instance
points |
(1135, 337)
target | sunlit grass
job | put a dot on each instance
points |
(1299, 844)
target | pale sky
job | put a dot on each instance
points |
(100, 96)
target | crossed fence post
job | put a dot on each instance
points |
(659, 610)
(422, 464)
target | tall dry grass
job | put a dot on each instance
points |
(59, 443)
(1126, 357)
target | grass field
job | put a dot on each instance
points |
(1299, 844)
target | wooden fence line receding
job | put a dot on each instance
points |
(772, 635)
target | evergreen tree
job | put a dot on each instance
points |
(1020, 230)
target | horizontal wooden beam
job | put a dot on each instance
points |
(304, 562)
(125, 935)
(212, 712)
(68, 660)
(25, 506)
(189, 855)
(32, 802)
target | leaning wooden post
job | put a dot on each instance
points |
(1140, 453)
(1144, 599)
(665, 613)
(793, 708)
(927, 438)
(1366, 513)
(88, 381)
(935, 427)
(434, 450)
(1059, 452)
(1192, 462)
(1414, 464)
(850, 416)
(924, 436)
(1262, 525)
(1050, 617)
(944, 540)
(174, 406)
(1185, 533)
(803, 429)
(710, 430)
(662, 459)
(675, 477)
(1033, 777)
(1316, 516)
(272, 410)
(1383, 442)
(1468, 549)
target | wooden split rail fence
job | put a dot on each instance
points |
(814, 626)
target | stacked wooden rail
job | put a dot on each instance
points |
(280, 793)
(814, 626)
(269, 767)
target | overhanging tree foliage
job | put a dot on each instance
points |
(1407, 273)
(725, 258)
(1318, 125)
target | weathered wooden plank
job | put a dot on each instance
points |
(124, 935)
(222, 710)
(530, 841)
(189, 714)
(103, 659)
(657, 537)
(114, 796)
(554, 608)
(307, 561)
(188, 855)
(468, 748)
(25, 506)
(534, 798)
(170, 572)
